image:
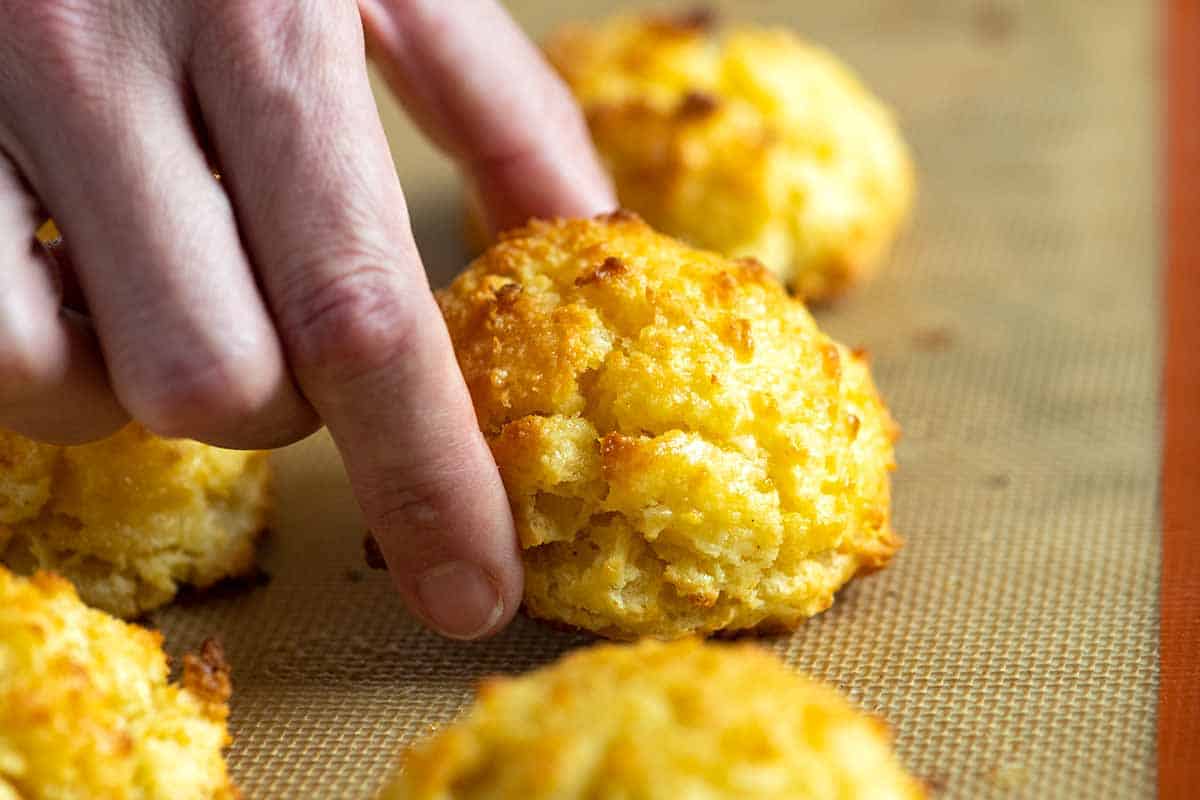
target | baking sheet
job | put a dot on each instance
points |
(1012, 644)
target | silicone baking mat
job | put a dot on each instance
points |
(1012, 645)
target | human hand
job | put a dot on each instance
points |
(245, 312)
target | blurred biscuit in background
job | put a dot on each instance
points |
(657, 722)
(748, 141)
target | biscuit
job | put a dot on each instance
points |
(750, 142)
(130, 518)
(683, 450)
(86, 709)
(658, 722)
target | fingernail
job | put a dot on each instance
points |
(460, 600)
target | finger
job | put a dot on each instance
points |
(187, 337)
(482, 90)
(324, 218)
(53, 383)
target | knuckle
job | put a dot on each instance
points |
(195, 394)
(423, 485)
(67, 52)
(268, 39)
(269, 65)
(52, 23)
(354, 323)
(412, 510)
(416, 501)
(56, 44)
(247, 33)
(412, 517)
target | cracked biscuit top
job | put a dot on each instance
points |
(683, 449)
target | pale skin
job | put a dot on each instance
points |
(248, 311)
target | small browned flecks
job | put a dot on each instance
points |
(206, 674)
(831, 360)
(749, 271)
(934, 338)
(610, 269)
(506, 296)
(372, 554)
(124, 744)
(619, 215)
(739, 336)
(750, 263)
(724, 286)
(753, 270)
(700, 19)
(853, 423)
(697, 105)
(860, 354)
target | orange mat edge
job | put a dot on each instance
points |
(1179, 693)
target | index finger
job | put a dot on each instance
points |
(283, 89)
(483, 91)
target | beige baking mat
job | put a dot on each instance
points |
(1013, 643)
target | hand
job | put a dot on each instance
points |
(244, 311)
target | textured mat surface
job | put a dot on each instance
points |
(1012, 644)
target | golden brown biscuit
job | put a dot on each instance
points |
(750, 142)
(683, 449)
(658, 721)
(86, 710)
(130, 518)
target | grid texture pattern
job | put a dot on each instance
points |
(1013, 642)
